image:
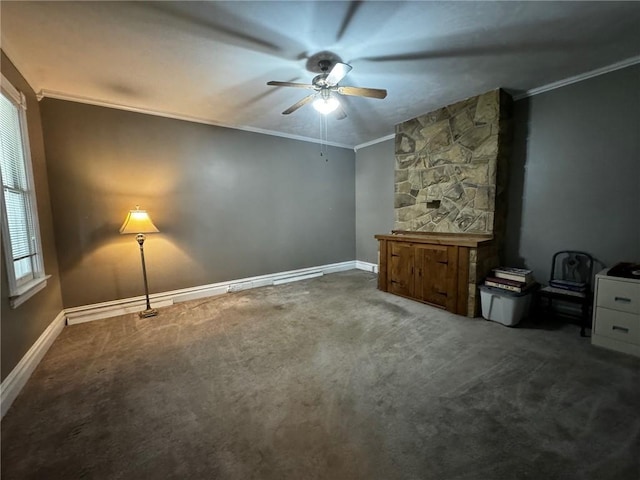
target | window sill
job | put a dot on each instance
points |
(28, 290)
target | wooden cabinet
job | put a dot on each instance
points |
(423, 272)
(433, 269)
(616, 314)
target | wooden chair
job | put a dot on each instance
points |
(570, 281)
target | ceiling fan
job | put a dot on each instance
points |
(326, 87)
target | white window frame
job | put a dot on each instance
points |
(20, 292)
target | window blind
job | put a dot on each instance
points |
(17, 197)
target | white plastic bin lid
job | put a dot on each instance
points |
(506, 293)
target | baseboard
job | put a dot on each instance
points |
(98, 311)
(16, 380)
(366, 266)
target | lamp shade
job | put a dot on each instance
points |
(138, 221)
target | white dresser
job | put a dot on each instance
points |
(616, 314)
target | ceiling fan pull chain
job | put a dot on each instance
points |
(326, 137)
(320, 120)
(323, 137)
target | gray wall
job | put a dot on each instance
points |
(229, 204)
(374, 197)
(575, 173)
(22, 326)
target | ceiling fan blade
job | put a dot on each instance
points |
(353, 8)
(299, 104)
(363, 92)
(290, 84)
(337, 73)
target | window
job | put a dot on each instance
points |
(20, 232)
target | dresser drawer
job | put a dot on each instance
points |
(622, 296)
(618, 325)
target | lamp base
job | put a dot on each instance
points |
(151, 312)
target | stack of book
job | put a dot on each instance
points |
(516, 280)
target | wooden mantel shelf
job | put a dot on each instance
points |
(454, 239)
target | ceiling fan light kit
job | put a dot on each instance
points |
(326, 86)
(325, 103)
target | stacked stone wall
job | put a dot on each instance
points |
(447, 167)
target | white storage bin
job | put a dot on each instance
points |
(504, 307)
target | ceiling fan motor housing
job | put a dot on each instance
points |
(324, 65)
(322, 62)
(319, 81)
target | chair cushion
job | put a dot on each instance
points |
(562, 291)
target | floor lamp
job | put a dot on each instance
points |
(139, 222)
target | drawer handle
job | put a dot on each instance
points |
(620, 329)
(623, 299)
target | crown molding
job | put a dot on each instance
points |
(44, 93)
(373, 142)
(578, 78)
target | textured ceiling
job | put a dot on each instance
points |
(211, 60)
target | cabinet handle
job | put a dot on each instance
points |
(622, 299)
(621, 329)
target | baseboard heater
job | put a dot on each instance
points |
(237, 287)
(295, 278)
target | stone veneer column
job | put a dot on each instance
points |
(451, 175)
(446, 176)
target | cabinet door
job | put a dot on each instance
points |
(436, 275)
(400, 268)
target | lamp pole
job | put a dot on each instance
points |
(149, 312)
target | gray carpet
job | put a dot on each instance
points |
(327, 378)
